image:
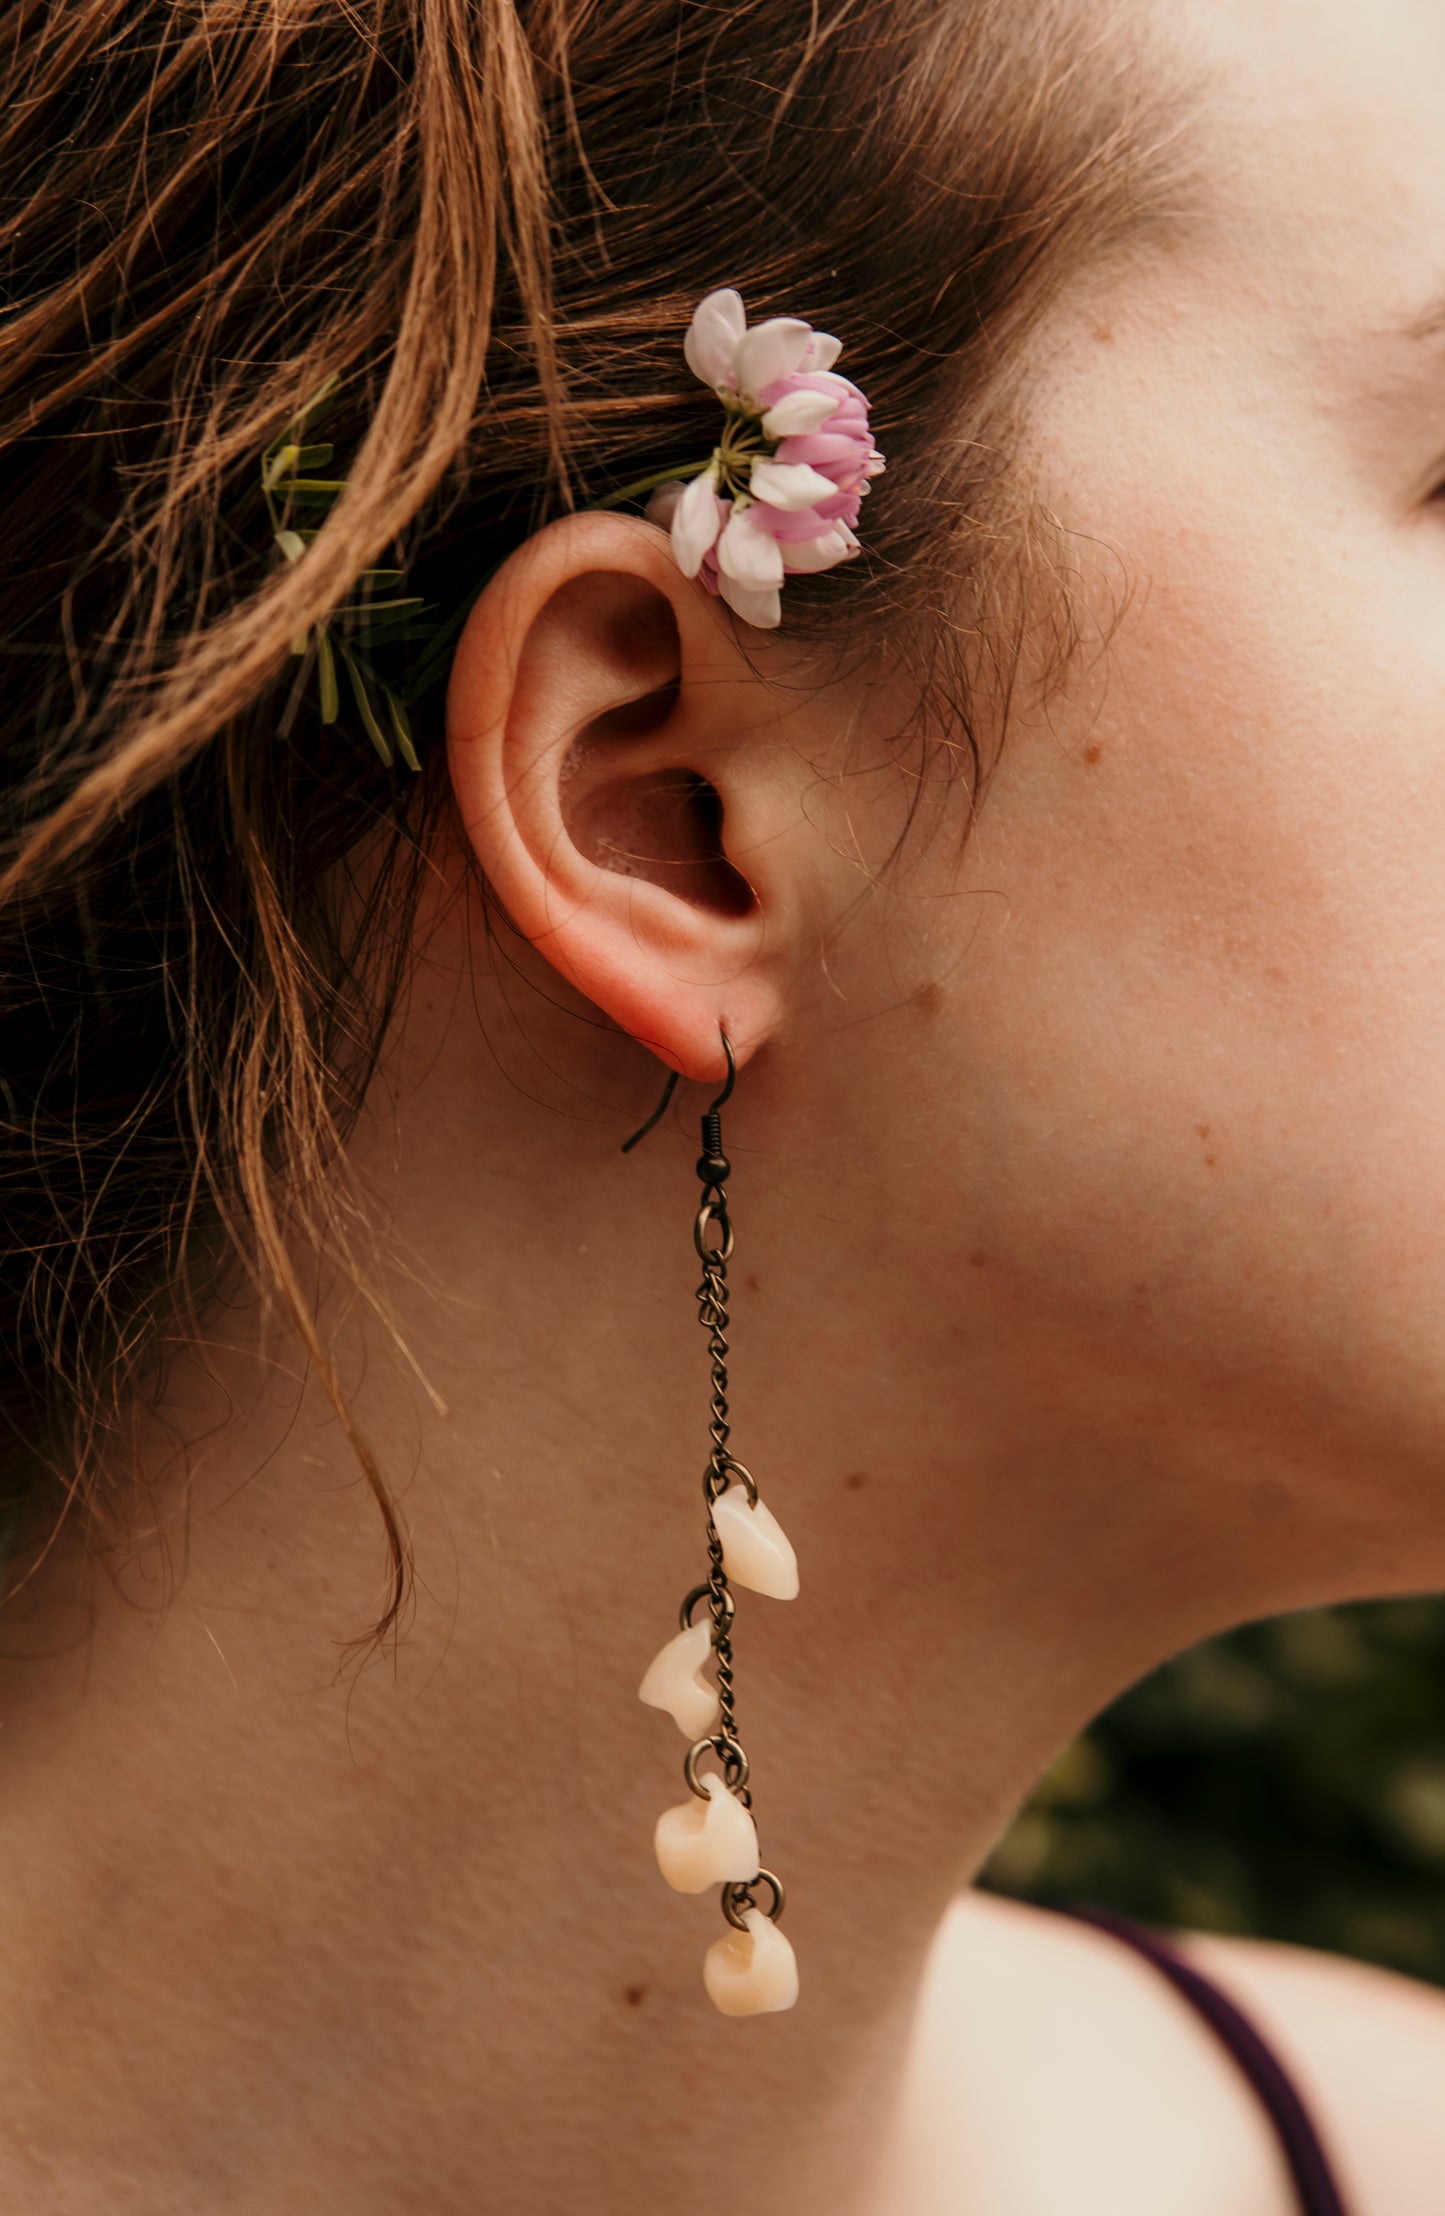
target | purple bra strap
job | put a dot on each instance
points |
(1315, 2181)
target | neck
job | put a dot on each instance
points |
(396, 1930)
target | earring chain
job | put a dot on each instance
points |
(713, 1169)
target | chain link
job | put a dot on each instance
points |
(712, 1300)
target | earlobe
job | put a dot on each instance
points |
(611, 779)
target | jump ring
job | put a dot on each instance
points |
(711, 1212)
(728, 1752)
(718, 1473)
(696, 1595)
(733, 1897)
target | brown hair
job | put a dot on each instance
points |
(493, 218)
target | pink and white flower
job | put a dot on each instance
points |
(781, 494)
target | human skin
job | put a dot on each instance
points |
(1087, 1294)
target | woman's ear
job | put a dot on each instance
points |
(618, 774)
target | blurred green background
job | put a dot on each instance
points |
(1287, 1781)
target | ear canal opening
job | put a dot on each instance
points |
(729, 889)
(666, 826)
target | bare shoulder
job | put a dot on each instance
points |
(1367, 2048)
(1054, 2068)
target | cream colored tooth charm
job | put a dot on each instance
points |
(674, 1681)
(707, 1842)
(748, 1973)
(756, 1552)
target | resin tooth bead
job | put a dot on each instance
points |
(749, 1973)
(707, 1842)
(675, 1682)
(756, 1551)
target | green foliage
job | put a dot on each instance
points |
(358, 630)
(1287, 1781)
(366, 626)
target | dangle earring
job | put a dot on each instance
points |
(712, 1838)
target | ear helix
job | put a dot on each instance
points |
(712, 1837)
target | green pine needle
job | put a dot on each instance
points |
(326, 663)
(401, 726)
(286, 467)
(368, 714)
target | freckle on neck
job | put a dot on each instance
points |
(929, 998)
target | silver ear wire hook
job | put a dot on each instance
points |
(671, 1087)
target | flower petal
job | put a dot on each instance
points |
(809, 555)
(696, 522)
(823, 351)
(828, 380)
(843, 507)
(714, 335)
(762, 608)
(798, 412)
(787, 525)
(770, 350)
(747, 555)
(789, 485)
(838, 454)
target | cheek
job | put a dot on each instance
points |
(1201, 1007)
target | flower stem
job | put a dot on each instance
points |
(641, 485)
